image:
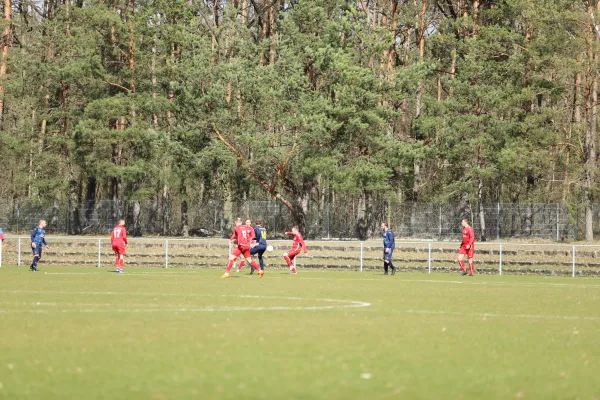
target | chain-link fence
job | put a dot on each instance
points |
(350, 219)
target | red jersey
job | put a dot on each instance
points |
(468, 236)
(244, 235)
(118, 235)
(298, 242)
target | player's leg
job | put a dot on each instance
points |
(461, 260)
(253, 251)
(292, 255)
(121, 258)
(386, 263)
(471, 261)
(261, 262)
(234, 254)
(391, 262)
(288, 259)
(248, 257)
(240, 265)
(37, 254)
(117, 262)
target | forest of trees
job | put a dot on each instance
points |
(303, 101)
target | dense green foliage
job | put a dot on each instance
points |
(308, 101)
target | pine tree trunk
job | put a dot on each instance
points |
(6, 41)
(481, 210)
(590, 136)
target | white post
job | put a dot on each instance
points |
(573, 272)
(99, 251)
(361, 256)
(500, 264)
(19, 253)
(429, 258)
(166, 253)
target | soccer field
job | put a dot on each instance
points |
(83, 333)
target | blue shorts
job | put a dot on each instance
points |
(260, 249)
(388, 256)
(37, 250)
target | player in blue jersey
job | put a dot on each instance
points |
(389, 244)
(259, 248)
(38, 238)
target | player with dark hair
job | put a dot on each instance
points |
(1, 235)
(260, 236)
(243, 236)
(296, 247)
(38, 238)
(389, 244)
(118, 240)
(467, 247)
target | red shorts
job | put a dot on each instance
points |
(469, 252)
(119, 249)
(243, 250)
(293, 253)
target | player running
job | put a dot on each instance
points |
(260, 236)
(467, 247)
(118, 240)
(38, 238)
(296, 247)
(243, 235)
(389, 244)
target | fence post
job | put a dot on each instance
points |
(166, 253)
(19, 253)
(498, 221)
(99, 251)
(557, 222)
(440, 222)
(573, 272)
(429, 258)
(328, 220)
(361, 256)
(500, 263)
(18, 217)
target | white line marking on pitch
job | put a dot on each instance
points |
(523, 316)
(339, 304)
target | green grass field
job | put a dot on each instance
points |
(85, 333)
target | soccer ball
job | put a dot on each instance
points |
(269, 248)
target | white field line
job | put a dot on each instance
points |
(178, 308)
(494, 315)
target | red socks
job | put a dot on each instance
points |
(229, 266)
(462, 265)
(288, 260)
(472, 267)
(241, 264)
(255, 265)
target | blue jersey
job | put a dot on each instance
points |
(38, 236)
(388, 240)
(261, 235)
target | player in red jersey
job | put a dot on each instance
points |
(296, 247)
(118, 240)
(243, 235)
(467, 247)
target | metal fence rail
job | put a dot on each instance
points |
(426, 256)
